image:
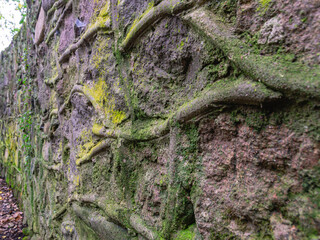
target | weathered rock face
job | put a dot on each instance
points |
(164, 119)
(40, 27)
(47, 4)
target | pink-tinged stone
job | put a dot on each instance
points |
(40, 27)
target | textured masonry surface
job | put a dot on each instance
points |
(172, 119)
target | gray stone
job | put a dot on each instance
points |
(271, 32)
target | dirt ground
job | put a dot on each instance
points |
(11, 218)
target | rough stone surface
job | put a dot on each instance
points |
(182, 134)
(271, 32)
(297, 21)
(47, 4)
(40, 27)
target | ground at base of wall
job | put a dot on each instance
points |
(11, 218)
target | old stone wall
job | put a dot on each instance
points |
(172, 119)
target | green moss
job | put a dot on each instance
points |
(222, 236)
(188, 148)
(179, 209)
(123, 215)
(219, 71)
(294, 79)
(126, 173)
(227, 9)
(303, 209)
(264, 5)
(101, 173)
(187, 234)
(145, 129)
(301, 118)
(84, 232)
(65, 155)
(256, 120)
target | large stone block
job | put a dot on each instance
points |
(40, 27)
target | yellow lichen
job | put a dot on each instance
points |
(104, 102)
(105, 10)
(97, 128)
(10, 144)
(53, 99)
(16, 158)
(100, 54)
(86, 138)
(76, 180)
(133, 28)
(102, 17)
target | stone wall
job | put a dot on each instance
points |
(166, 119)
